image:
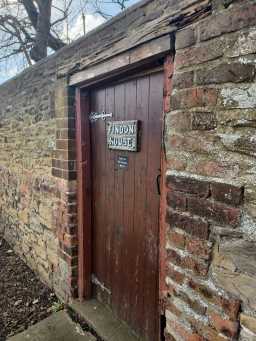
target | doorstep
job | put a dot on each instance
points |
(103, 322)
(56, 327)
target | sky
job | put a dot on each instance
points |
(75, 30)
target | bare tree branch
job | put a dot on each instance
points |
(53, 42)
(32, 28)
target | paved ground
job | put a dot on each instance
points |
(57, 327)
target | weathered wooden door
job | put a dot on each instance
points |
(126, 203)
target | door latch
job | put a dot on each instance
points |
(158, 185)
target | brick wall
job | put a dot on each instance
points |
(210, 143)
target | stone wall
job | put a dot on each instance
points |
(210, 142)
(35, 200)
(29, 194)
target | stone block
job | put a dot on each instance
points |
(194, 98)
(248, 322)
(226, 73)
(228, 21)
(185, 38)
(234, 269)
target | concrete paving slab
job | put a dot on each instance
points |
(102, 320)
(57, 327)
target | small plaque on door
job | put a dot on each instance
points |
(122, 135)
(122, 162)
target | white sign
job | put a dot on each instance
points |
(122, 135)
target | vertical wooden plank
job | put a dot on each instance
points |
(99, 182)
(128, 251)
(84, 194)
(110, 193)
(118, 227)
(140, 227)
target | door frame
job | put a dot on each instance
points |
(84, 181)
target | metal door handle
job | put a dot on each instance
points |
(158, 183)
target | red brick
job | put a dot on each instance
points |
(218, 212)
(70, 240)
(228, 21)
(65, 134)
(227, 193)
(62, 154)
(73, 271)
(204, 290)
(226, 327)
(192, 303)
(176, 239)
(176, 200)
(72, 282)
(74, 292)
(172, 308)
(206, 331)
(188, 185)
(193, 98)
(171, 289)
(66, 123)
(193, 226)
(226, 73)
(57, 172)
(199, 268)
(70, 229)
(169, 337)
(69, 175)
(70, 219)
(168, 72)
(71, 207)
(176, 276)
(71, 261)
(71, 251)
(231, 306)
(70, 197)
(185, 334)
(65, 144)
(199, 248)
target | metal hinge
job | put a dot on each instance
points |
(94, 116)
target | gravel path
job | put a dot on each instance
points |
(24, 300)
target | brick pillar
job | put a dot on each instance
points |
(64, 168)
